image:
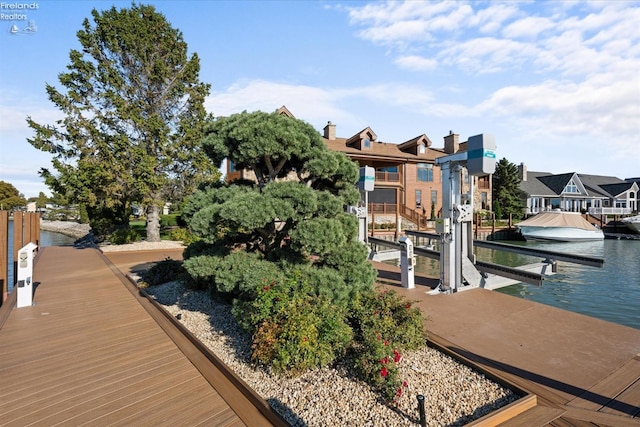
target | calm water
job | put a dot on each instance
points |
(610, 293)
(47, 238)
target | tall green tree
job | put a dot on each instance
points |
(133, 118)
(10, 197)
(507, 196)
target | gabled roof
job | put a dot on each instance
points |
(421, 139)
(284, 111)
(363, 134)
(557, 183)
(382, 151)
(534, 187)
(606, 185)
(546, 184)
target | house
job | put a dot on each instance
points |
(574, 192)
(407, 182)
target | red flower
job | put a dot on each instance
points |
(379, 337)
(396, 356)
(404, 384)
(408, 306)
(266, 288)
(399, 392)
(386, 342)
(384, 361)
(384, 372)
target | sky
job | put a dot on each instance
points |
(557, 83)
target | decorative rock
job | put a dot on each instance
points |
(454, 393)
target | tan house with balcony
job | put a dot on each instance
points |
(408, 183)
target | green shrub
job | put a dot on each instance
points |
(170, 220)
(293, 329)
(183, 235)
(123, 236)
(164, 271)
(385, 325)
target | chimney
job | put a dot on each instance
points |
(451, 144)
(330, 131)
(522, 171)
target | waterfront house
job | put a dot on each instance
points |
(576, 192)
(408, 184)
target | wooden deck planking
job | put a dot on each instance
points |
(88, 352)
(619, 393)
(557, 355)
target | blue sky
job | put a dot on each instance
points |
(556, 82)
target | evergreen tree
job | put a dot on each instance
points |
(133, 121)
(507, 196)
(290, 219)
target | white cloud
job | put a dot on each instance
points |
(529, 27)
(306, 102)
(416, 63)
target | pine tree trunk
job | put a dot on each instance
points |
(153, 223)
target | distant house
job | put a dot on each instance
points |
(407, 182)
(575, 192)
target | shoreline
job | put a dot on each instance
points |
(68, 228)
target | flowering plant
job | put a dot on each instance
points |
(385, 325)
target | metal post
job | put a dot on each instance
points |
(423, 415)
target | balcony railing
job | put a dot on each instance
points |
(387, 176)
(382, 208)
(610, 211)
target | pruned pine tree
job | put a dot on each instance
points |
(133, 118)
(291, 217)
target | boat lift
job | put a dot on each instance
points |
(459, 269)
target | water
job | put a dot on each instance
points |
(47, 238)
(610, 293)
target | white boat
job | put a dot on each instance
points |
(559, 226)
(633, 222)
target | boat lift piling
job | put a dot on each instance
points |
(459, 269)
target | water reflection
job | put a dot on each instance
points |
(610, 293)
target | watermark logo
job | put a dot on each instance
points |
(18, 14)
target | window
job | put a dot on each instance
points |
(366, 143)
(571, 188)
(421, 149)
(418, 198)
(483, 197)
(232, 166)
(425, 172)
(434, 197)
(393, 169)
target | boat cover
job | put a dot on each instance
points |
(558, 219)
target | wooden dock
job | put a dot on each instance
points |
(583, 371)
(92, 351)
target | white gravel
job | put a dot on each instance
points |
(454, 393)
